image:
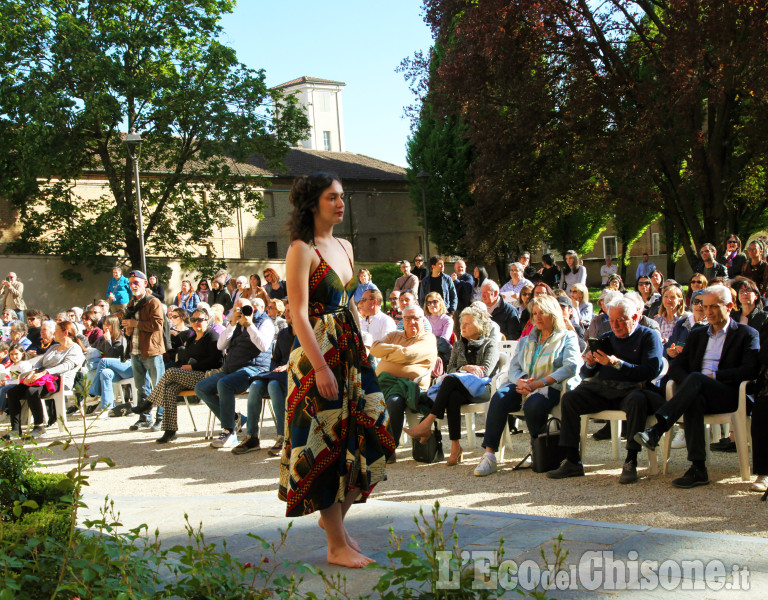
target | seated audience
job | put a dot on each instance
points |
(419, 268)
(364, 283)
(733, 258)
(709, 267)
(272, 383)
(247, 341)
(158, 291)
(91, 329)
(529, 271)
(697, 318)
(579, 296)
(275, 310)
(696, 283)
(756, 268)
(219, 295)
(394, 306)
(203, 290)
(657, 281)
(550, 273)
(373, 320)
(47, 335)
(708, 372)
(9, 315)
(186, 298)
(34, 321)
(473, 361)
(114, 364)
(651, 300)
(17, 334)
(16, 365)
(606, 271)
(502, 313)
(750, 305)
(275, 287)
(510, 291)
(440, 322)
(600, 323)
(671, 311)
(616, 283)
(542, 363)
(217, 318)
(180, 332)
(199, 354)
(616, 377)
(480, 274)
(55, 368)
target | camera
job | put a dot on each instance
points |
(246, 310)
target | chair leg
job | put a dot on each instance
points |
(211, 425)
(615, 439)
(742, 447)
(506, 441)
(469, 420)
(189, 408)
(666, 442)
(583, 442)
(59, 400)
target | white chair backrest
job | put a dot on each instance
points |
(507, 347)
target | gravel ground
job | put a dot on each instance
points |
(189, 467)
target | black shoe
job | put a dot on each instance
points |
(143, 408)
(628, 472)
(692, 478)
(604, 433)
(73, 409)
(121, 410)
(567, 469)
(729, 447)
(142, 423)
(648, 438)
(249, 444)
(168, 436)
(723, 442)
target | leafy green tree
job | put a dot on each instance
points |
(75, 76)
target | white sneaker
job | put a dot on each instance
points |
(486, 466)
(679, 440)
(225, 440)
(760, 484)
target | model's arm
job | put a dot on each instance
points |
(298, 265)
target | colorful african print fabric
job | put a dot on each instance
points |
(332, 446)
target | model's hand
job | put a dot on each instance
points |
(327, 384)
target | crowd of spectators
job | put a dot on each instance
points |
(435, 349)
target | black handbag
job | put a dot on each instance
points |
(432, 450)
(547, 453)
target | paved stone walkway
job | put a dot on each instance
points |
(735, 561)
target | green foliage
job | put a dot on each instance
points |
(384, 276)
(577, 231)
(74, 74)
(46, 521)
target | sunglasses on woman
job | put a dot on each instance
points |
(197, 319)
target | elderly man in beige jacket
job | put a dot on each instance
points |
(12, 293)
(403, 357)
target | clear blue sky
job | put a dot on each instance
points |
(358, 42)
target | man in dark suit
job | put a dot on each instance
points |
(464, 284)
(502, 313)
(714, 361)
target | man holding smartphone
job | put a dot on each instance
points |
(12, 293)
(616, 375)
(247, 341)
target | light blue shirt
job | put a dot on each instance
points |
(714, 349)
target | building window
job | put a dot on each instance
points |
(269, 204)
(655, 244)
(609, 246)
(324, 101)
(271, 249)
(326, 140)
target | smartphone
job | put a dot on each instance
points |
(596, 344)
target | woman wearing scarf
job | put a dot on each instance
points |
(543, 360)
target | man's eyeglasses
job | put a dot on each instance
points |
(392, 298)
(411, 318)
(697, 302)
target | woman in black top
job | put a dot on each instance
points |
(199, 354)
(158, 291)
(220, 295)
(550, 273)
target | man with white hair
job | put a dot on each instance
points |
(502, 313)
(404, 356)
(516, 281)
(708, 372)
(615, 376)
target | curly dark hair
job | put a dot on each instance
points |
(305, 193)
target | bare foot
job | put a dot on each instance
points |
(421, 435)
(348, 557)
(352, 542)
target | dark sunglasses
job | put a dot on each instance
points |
(197, 319)
(643, 283)
(697, 301)
(732, 242)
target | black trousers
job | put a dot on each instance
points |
(586, 398)
(396, 406)
(451, 396)
(696, 396)
(33, 394)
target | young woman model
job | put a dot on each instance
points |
(337, 441)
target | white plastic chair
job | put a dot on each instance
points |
(738, 421)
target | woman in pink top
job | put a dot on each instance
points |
(435, 310)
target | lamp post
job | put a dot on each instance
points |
(133, 143)
(423, 177)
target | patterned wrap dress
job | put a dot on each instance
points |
(332, 446)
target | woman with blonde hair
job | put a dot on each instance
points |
(475, 356)
(542, 362)
(275, 287)
(364, 284)
(672, 309)
(217, 318)
(436, 313)
(187, 298)
(579, 295)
